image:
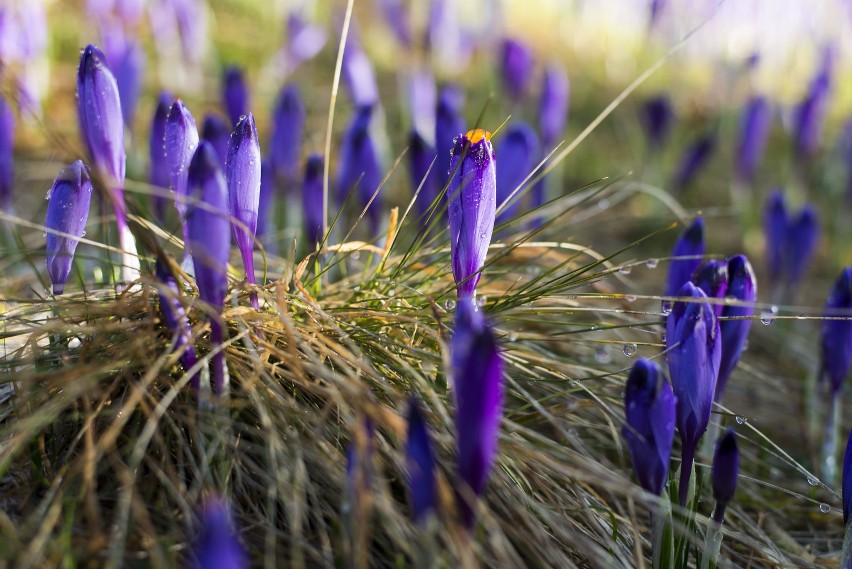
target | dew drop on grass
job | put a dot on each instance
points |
(812, 480)
(629, 350)
(603, 204)
(741, 420)
(355, 255)
(625, 270)
(574, 383)
(391, 292)
(663, 337)
(767, 317)
(666, 307)
(651, 263)
(481, 300)
(513, 337)
(824, 508)
(450, 304)
(630, 298)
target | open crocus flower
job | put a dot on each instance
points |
(7, 143)
(472, 196)
(158, 165)
(519, 155)
(686, 254)
(181, 143)
(693, 353)
(67, 211)
(174, 316)
(216, 132)
(420, 465)
(755, 124)
(235, 94)
(218, 546)
(649, 423)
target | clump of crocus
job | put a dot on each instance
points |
(472, 197)
(235, 94)
(448, 124)
(656, 116)
(686, 257)
(693, 160)
(649, 423)
(312, 197)
(519, 154)
(359, 166)
(102, 127)
(516, 68)
(791, 242)
(755, 124)
(421, 156)
(181, 143)
(288, 126)
(846, 552)
(693, 353)
(477, 375)
(723, 476)
(67, 211)
(218, 545)
(175, 318)
(420, 465)
(7, 143)
(243, 175)
(158, 164)
(209, 239)
(216, 132)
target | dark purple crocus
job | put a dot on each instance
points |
(420, 465)
(174, 315)
(265, 219)
(448, 124)
(775, 234)
(242, 171)
(657, 117)
(519, 154)
(693, 353)
(209, 240)
(472, 198)
(516, 68)
(218, 546)
(686, 254)
(128, 66)
(693, 160)
(181, 144)
(800, 244)
(723, 475)
(158, 165)
(421, 156)
(359, 166)
(67, 211)
(811, 111)
(312, 206)
(649, 423)
(712, 278)
(736, 320)
(478, 384)
(755, 124)
(836, 332)
(216, 132)
(288, 128)
(7, 161)
(235, 94)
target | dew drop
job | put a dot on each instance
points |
(824, 508)
(603, 204)
(741, 420)
(666, 307)
(767, 317)
(513, 337)
(481, 300)
(629, 350)
(663, 337)
(47, 196)
(574, 383)
(625, 270)
(74, 343)
(391, 292)
(630, 298)
(450, 304)
(602, 355)
(812, 480)
(355, 255)
(357, 288)
(651, 263)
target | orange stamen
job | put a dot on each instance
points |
(478, 134)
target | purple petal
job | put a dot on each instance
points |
(359, 165)
(423, 98)
(359, 75)
(687, 254)
(420, 465)
(755, 125)
(181, 144)
(726, 468)
(775, 232)
(693, 160)
(218, 546)
(421, 157)
(312, 199)
(448, 124)
(712, 278)
(235, 94)
(174, 316)
(216, 132)
(158, 167)
(397, 17)
(800, 244)
(657, 117)
(736, 321)
(7, 159)
(836, 334)
(517, 68)
(67, 211)
(553, 108)
(519, 154)
(288, 127)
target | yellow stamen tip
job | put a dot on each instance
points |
(478, 134)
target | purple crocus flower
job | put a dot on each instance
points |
(775, 233)
(218, 546)
(359, 166)
(811, 112)
(420, 465)
(693, 353)
(553, 108)
(304, 41)
(265, 222)
(7, 161)
(67, 211)
(472, 198)
(158, 165)
(478, 383)
(755, 124)
(836, 333)
(128, 65)
(649, 423)
(686, 254)
(288, 128)
(421, 157)
(423, 99)
(800, 244)
(723, 475)
(181, 144)
(736, 320)
(712, 278)
(243, 175)
(693, 160)
(312, 206)
(516, 68)
(448, 124)
(397, 17)
(175, 318)
(359, 75)
(235, 94)
(216, 132)
(209, 240)
(519, 154)
(657, 117)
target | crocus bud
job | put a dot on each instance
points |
(553, 108)
(755, 123)
(686, 254)
(649, 422)
(7, 142)
(811, 112)
(693, 353)
(216, 132)
(836, 332)
(448, 124)
(800, 244)
(209, 240)
(243, 175)
(235, 94)
(312, 196)
(516, 68)
(657, 117)
(420, 465)
(174, 316)
(265, 220)
(421, 158)
(423, 100)
(519, 154)
(736, 320)
(726, 468)
(218, 546)
(181, 144)
(304, 41)
(472, 197)
(712, 278)
(288, 127)
(396, 15)
(158, 166)
(694, 158)
(359, 166)
(775, 233)
(128, 65)
(67, 211)
(477, 376)
(359, 76)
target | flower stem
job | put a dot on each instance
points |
(829, 444)
(218, 359)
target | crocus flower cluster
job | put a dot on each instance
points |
(67, 212)
(791, 241)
